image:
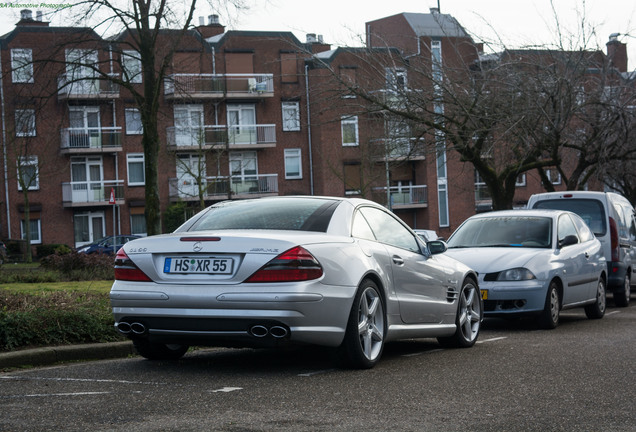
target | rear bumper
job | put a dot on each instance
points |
(217, 316)
(616, 271)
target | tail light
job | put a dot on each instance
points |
(126, 270)
(294, 265)
(614, 243)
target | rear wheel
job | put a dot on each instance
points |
(597, 309)
(364, 338)
(622, 298)
(468, 320)
(159, 351)
(549, 318)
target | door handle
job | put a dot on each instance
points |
(397, 260)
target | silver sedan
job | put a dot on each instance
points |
(335, 272)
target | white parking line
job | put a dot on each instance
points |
(318, 372)
(422, 352)
(24, 378)
(56, 394)
(612, 313)
(226, 389)
(492, 339)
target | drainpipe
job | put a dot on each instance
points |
(4, 151)
(311, 163)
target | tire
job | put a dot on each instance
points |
(158, 351)
(621, 298)
(366, 328)
(549, 318)
(597, 309)
(470, 314)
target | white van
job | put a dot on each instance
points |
(611, 218)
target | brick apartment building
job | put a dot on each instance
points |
(244, 114)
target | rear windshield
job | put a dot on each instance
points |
(590, 210)
(299, 214)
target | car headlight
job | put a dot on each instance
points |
(83, 249)
(516, 274)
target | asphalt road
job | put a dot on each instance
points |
(579, 377)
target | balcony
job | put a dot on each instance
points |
(92, 193)
(215, 86)
(399, 149)
(403, 197)
(86, 88)
(220, 136)
(90, 140)
(224, 187)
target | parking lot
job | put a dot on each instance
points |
(579, 376)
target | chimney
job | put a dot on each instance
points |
(434, 11)
(211, 28)
(25, 14)
(316, 42)
(617, 53)
(38, 16)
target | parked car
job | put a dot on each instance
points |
(427, 235)
(611, 217)
(274, 271)
(107, 245)
(533, 262)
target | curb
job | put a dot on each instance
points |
(51, 355)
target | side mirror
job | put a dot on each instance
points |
(437, 247)
(568, 241)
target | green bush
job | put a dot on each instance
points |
(79, 266)
(54, 318)
(45, 250)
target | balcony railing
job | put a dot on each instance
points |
(91, 193)
(86, 88)
(219, 85)
(403, 196)
(242, 136)
(399, 149)
(91, 140)
(225, 187)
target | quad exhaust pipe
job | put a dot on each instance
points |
(134, 328)
(260, 331)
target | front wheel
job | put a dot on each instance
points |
(622, 298)
(159, 351)
(597, 309)
(364, 337)
(549, 318)
(468, 320)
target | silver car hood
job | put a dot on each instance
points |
(494, 259)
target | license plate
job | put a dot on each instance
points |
(484, 294)
(206, 265)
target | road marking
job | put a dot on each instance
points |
(318, 372)
(23, 378)
(56, 394)
(612, 313)
(422, 352)
(492, 339)
(226, 389)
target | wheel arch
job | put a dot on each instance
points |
(559, 283)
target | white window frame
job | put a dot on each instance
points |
(30, 161)
(549, 174)
(25, 122)
(133, 118)
(37, 231)
(132, 225)
(348, 121)
(289, 155)
(22, 65)
(291, 116)
(131, 65)
(136, 158)
(521, 180)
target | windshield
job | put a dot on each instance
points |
(503, 231)
(301, 214)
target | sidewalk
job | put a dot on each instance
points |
(50, 355)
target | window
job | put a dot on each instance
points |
(291, 116)
(521, 180)
(22, 65)
(554, 176)
(138, 224)
(387, 229)
(241, 121)
(35, 231)
(133, 122)
(25, 122)
(352, 178)
(396, 80)
(136, 169)
(28, 173)
(349, 80)
(293, 168)
(349, 128)
(131, 66)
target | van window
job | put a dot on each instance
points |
(590, 210)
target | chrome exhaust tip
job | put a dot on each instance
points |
(123, 328)
(278, 332)
(138, 328)
(259, 331)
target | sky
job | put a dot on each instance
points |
(518, 23)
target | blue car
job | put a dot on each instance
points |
(107, 245)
